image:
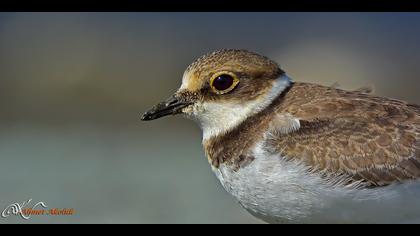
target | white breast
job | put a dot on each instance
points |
(276, 190)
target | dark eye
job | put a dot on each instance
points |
(224, 82)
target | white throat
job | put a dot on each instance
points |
(218, 118)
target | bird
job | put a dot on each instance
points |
(295, 152)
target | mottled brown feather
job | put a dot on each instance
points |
(372, 139)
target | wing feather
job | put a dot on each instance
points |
(370, 139)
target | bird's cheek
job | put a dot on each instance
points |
(194, 111)
(188, 111)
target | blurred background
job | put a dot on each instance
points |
(73, 87)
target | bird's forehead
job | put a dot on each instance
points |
(191, 81)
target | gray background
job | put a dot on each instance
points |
(73, 87)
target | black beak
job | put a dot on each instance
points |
(171, 106)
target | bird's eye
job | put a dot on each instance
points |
(223, 82)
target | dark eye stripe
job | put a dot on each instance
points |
(223, 82)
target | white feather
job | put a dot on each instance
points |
(284, 123)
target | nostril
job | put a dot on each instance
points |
(171, 102)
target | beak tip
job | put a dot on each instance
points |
(145, 117)
(171, 106)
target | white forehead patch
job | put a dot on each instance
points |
(190, 82)
(185, 81)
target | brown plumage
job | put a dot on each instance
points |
(366, 138)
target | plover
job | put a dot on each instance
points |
(300, 152)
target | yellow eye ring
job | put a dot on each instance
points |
(223, 82)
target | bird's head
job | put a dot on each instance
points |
(221, 89)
